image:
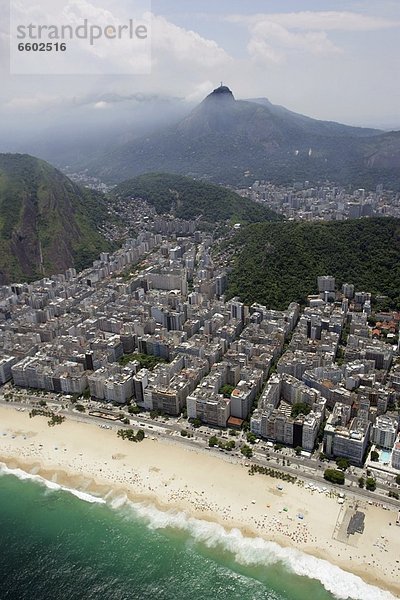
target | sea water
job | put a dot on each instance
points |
(59, 543)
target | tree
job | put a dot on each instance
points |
(334, 476)
(393, 494)
(374, 456)
(398, 479)
(226, 390)
(251, 438)
(197, 423)
(343, 463)
(246, 451)
(213, 441)
(80, 407)
(146, 361)
(301, 251)
(300, 408)
(361, 482)
(298, 450)
(133, 409)
(140, 435)
(370, 484)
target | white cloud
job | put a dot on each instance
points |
(33, 103)
(271, 42)
(262, 52)
(101, 105)
(185, 46)
(199, 91)
(167, 44)
(274, 36)
(319, 20)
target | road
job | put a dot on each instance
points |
(307, 469)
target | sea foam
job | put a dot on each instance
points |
(51, 485)
(258, 552)
(246, 550)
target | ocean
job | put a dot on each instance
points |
(57, 543)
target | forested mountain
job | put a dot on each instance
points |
(47, 223)
(187, 199)
(276, 263)
(233, 141)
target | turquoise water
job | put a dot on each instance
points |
(384, 456)
(54, 545)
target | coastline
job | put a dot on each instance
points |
(164, 476)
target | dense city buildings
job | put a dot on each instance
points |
(303, 201)
(319, 377)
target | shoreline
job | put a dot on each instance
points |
(175, 479)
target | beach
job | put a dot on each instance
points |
(206, 486)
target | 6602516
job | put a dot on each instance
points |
(42, 47)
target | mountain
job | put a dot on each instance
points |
(69, 133)
(47, 223)
(275, 263)
(186, 198)
(231, 141)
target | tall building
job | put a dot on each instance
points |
(384, 432)
(6, 362)
(346, 438)
(348, 290)
(396, 454)
(326, 283)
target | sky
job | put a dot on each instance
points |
(329, 59)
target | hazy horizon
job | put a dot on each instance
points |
(336, 64)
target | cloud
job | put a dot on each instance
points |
(166, 43)
(274, 36)
(101, 105)
(33, 103)
(262, 52)
(199, 91)
(185, 46)
(319, 20)
(271, 42)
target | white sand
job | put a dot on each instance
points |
(205, 486)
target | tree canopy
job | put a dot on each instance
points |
(187, 198)
(276, 263)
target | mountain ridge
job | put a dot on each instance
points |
(47, 222)
(276, 261)
(187, 198)
(225, 140)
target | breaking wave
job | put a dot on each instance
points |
(246, 550)
(51, 485)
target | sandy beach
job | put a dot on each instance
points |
(206, 486)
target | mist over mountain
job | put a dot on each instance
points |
(71, 132)
(47, 222)
(228, 141)
(222, 140)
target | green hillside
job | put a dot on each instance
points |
(234, 142)
(47, 223)
(187, 198)
(276, 263)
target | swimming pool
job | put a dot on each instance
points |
(384, 456)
